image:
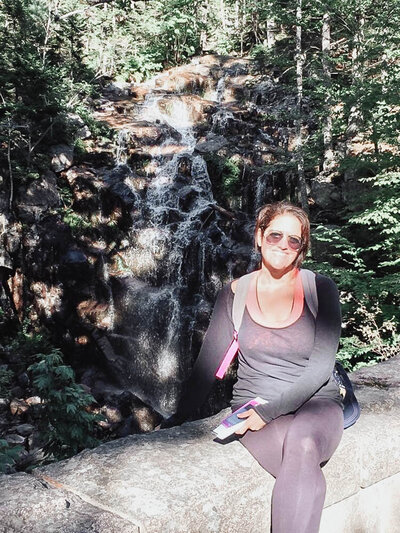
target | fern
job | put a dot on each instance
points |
(66, 425)
(8, 455)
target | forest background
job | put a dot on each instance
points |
(340, 58)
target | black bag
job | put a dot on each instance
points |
(352, 411)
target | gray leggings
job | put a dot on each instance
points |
(292, 449)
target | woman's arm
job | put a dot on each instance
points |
(322, 358)
(216, 341)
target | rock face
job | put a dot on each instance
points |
(123, 249)
(40, 196)
(180, 480)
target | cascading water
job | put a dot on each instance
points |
(181, 246)
(220, 90)
(169, 254)
(121, 151)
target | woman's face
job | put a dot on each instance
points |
(278, 254)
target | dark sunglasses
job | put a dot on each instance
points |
(274, 237)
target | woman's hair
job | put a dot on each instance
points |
(269, 211)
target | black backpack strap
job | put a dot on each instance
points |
(310, 290)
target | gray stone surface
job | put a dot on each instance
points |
(40, 195)
(372, 510)
(165, 479)
(181, 480)
(30, 505)
(62, 157)
(213, 143)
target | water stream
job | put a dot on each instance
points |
(170, 252)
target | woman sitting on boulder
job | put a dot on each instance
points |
(286, 357)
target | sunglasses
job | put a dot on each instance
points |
(274, 237)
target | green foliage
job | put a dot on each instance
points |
(66, 425)
(26, 343)
(362, 256)
(8, 455)
(225, 175)
(262, 55)
(6, 376)
(382, 220)
(79, 148)
(75, 221)
(231, 178)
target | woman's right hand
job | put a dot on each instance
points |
(254, 422)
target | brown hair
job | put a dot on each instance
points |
(269, 211)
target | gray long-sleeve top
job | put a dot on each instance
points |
(285, 366)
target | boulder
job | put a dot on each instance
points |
(40, 196)
(62, 157)
(325, 194)
(212, 143)
(117, 88)
(80, 129)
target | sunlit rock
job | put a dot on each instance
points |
(62, 157)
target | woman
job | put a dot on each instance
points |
(286, 357)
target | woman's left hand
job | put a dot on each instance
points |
(254, 422)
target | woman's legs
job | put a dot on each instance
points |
(266, 445)
(292, 448)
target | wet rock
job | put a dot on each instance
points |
(62, 157)
(12, 236)
(325, 194)
(112, 414)
(139, 92)
(74, 256)
(17, 391)
(4, 405)
(47, 300)
(212, 143)
(120, 182)
(24, 429)
(23, 379)
(186, 197)
(14, 438)
(146, 133)
(5, 259)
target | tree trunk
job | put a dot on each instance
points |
(222, 11)
(203, 32)
(271, 29)
(354, 121)
(299, 134)
(327, 126)
(242, 28)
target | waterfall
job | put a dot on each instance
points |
(220, 120)
(121, 151)
(220, 90)
(167, 247)
(261, 190)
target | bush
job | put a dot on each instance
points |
(6, 376)
(8, 455)
(65, 423)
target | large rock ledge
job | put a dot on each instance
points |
(182, 481)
